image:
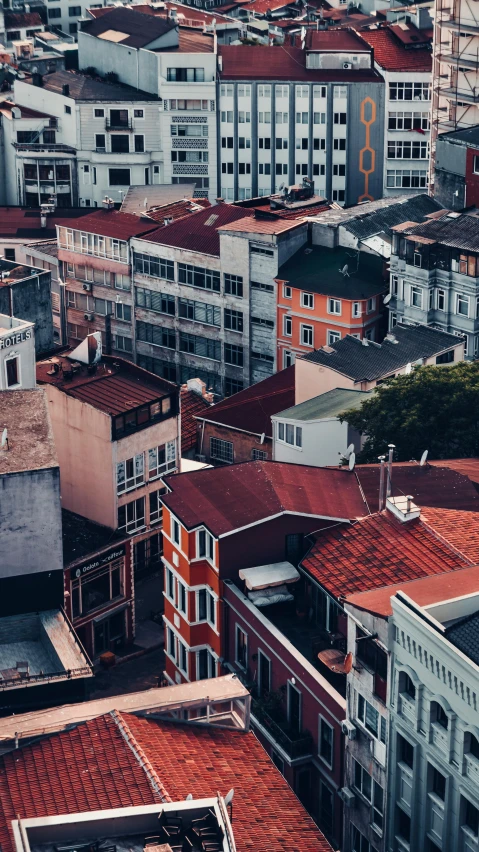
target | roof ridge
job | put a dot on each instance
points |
(140, 755)
(444, 540)
(256, 398)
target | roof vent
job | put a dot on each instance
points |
(403, 508)
(108, 203)
(211, 219)
(365, 341)
(328, 349)
(391, 338)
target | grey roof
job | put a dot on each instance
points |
(84, 88)
(464, 635)
(318, 270)
(468, 136)
(142, 29)
(360, 362)
(415, 209)
(326, 405)
(156, 195)
(454, 230)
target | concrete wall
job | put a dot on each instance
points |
(30, 523)
(31, 300)
(243, 442)
(323, 441)
(314, 379)
(23, 348)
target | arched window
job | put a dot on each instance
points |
(471, 745)
(406, 686)
(439, 715)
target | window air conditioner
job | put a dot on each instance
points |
(348, 729)
(88, 317)
(347, 796)
(347, 66)
(86, 287)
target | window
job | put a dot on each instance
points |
(339, 144)
(282, 91)
(232, 386)
(68, 109)
(408, 150)
(339, 169)
(371, 719)
(205, 664)
(131, 517)
(241, 656)
(123, 312)
(199, 311)
(287, 292)
(233, 320)
(185, 75)
(416, 297)
(334, 306)
(439, 715)
(302, 117)
(406, 178)
(371, 305)
(161, 459)
(206, 544)
(326, 741)
(170, 585)
(162, 303)
(265, 252)
(100, 141)
(307, 300)
(359, 843)
(244, 142)
(156, 506)
(99, 113)
(338, 194)
(294, 708)
(441, 300)
(157, 267)
(233, 284)
(53, 13)
(233, 354)
(288, 359)
(189, 130)
(462, 305)
(197, 276)
(362, 780)
(406, 686)
(206, 607)
(98, 587)
(221, 450)
(403, 824)
(289, 434)
(470, 817)
(205, 347)
(408, 121)
(307, 335)
(438, 784)
(356, 310)
(405, 751)
(12, 371)
(339, 118)
(409, 91)
(119, 177)
(156, 335)
(287, 326)
(139, 144)
(175, 531)
(259, 455)
(130, 473)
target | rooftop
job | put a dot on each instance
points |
(252, 408)
(370, 361)
(86, 88)
(454, 230)
(199, 232)
(257, 225)
(377, 551)
(114, 386)
(390, 53)
(24, 223)
(25, 415)
(136, 29)
(113, 223)
(275, 207)
(467, 467)
(47, 247)
(19, 20)
(12, 272)
(47, 646)
(469, 136)
(376, 217)
(332, 41)
(6, 108)
(226, 499)
(464, 634)
(139, 199)
(82, 537)
(425, 591)
(132, 761)
(192, 404)
(319, 270)
(438, 486)
(262, 62)
(326, 405)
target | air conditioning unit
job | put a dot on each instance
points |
(348, 729)
(347, 796)
(347, 66)
(88, 317)
(86, 287)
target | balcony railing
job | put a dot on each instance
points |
(295, 744)
(111, 124)
(55, 147)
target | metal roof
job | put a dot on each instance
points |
(199, 232)
(458, 231)
(369, 361)
(326, 405)
(465, 635)
(414, 209)
(318, 270)
(141, 29)
(86, 88)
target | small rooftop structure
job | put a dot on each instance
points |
(39, 647)
(25, 223)
(392, 48)
(199, 232)
(113, 223)
(139, 199)
(339, 272)
(11, 272)
(83, 87)
(454, 230)
(129, 28)
(368, 361)
(376, 217)
(24, 414)
(264, 62)
(325, 406)
(433, 484)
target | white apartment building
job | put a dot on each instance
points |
(406, 69)
(434, 700)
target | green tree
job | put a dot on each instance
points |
(432, 408)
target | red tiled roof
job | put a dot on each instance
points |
(25, 112)
(22, 19)
(228, 498)
(438, 486)
(251, 409)
(267, 816)
(88, 768)
(466, 467)
(410, 34)
(261, 7)
(113, 223)
(335, 40)
(460, 529)
(426, 591)
(377, 551)
(24, 222)
(252, 225)
(191, 403)
(262, 62)
(391, 55)
(117, 759)
(199, 232)
(177, 209)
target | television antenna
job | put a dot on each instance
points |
(387, 299)
(423, 458)
(352, 461)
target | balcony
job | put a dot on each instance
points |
(119, 124)
(465, 26)
(295, 744)
(470, 96)
(468, 60)
(44, 147)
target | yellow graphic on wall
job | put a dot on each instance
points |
(367, 155)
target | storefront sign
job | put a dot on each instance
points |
(104, 559)
(15, 338)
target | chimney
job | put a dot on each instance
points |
(37, 80)
(403, 508)
(108, 203)
(391, 448)
(219, 200)
(66, 90)
(381, 483)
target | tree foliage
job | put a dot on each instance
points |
(432, 408)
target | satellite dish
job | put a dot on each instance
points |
(408, 369)
(349, 451)
(423, 458)
(4, 436)
(387, 299)
(229, 796)
(352, 461)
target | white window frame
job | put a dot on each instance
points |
(307, 300)
(306, 329)
(182, 598)
(414, 291)
(170, 578)
(441, 293)
(242, 666)
(334, 307)
(322, 721)
(371, 305)
(282, 428)
(287, 322)
(287, 291)
(167, 466)
(209, 554)
(288, 358)
(356, 310)
(211, 606)
(466, 299)
(212, 662)
(181, 646)
(176, 532)
(332, 336)
(222, 442)
(260, 685)
(132, 482)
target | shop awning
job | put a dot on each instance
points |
(264, 576)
